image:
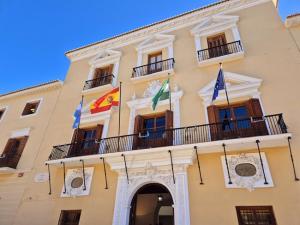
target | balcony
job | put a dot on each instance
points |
(155, 70)
(223, 53)
(242, 134)
(99, 84)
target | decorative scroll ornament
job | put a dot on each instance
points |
(152, 89)
(246, 171)
(75, 182)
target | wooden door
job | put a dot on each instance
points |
(84, 141)
(102, 76)
(153, 130)
(155, 62)
(217, 45)
(238, 120)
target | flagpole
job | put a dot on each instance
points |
(170, 100)
(120, 103)
(221, 67)
(81, 103)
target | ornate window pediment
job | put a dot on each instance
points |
(105, 57)
(156, 42)
(238, 86)
(215, 24)
(209, 48)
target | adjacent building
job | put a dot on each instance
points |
(191, 160)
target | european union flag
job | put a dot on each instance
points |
(219, 85)
(77, 116)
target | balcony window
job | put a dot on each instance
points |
(84, 141)
(237, 120)
(12, 152)
(102, 76)
(155, 65)
(153, 130)
(30, 108)
(69, 217)
(155, 62)
(262, 215)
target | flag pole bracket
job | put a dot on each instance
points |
(104, 169)
(199, 168)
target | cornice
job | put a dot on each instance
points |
(163, 27)
(33, 90)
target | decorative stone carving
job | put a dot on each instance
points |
(152, 89)
(246, 171)
(152, 174)
(74, 182)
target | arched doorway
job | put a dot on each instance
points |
(152, 204)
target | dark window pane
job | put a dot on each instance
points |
(89, 138)
(241, 115)
(225, 119)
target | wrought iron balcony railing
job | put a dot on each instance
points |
(230, 129)
(153, 68)
(98, 82)
(221, 50)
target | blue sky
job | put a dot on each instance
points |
(35, 34)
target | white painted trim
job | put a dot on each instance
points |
(153, 174)
(5, 108)
(214, 25)
(142, 103)
(259, 183)
(40, 100)
(233, 145)
(20, 133)
(87, 119)
(155, 43)
(247, 87)
(105, 58)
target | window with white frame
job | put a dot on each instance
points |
(217, 37)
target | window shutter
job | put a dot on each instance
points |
(213, 118)
(138, 125)
(8, 146)
(254, 108)
(258, 125)
(110, 69)
(169, 127)
(99, 131)
(76, 142)
(14, 159)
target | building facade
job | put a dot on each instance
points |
(191, 160)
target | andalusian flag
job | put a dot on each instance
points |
(162, 94)
(105, 102)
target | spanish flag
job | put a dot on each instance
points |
(105, 102)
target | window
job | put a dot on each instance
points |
(236, 120)
(150, 130)
(83, 142)
(69, 217)
(154, 127)
(155, 62)
(255, 215)
(217, 45)
(30, 108)
(102, 76)
(12, 152)
(2, 111)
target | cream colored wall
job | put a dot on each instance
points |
(212, 202)
(295, 35)
(269, 54)
(13, 185)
